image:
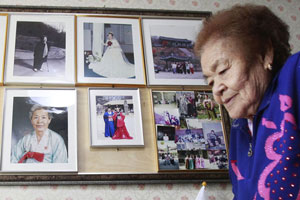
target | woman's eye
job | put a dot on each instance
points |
(223, 71)
(211, 83)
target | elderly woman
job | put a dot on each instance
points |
(243, 54)
(42, 145)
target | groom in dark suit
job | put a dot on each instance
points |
(41, 51)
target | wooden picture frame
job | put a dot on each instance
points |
(169, 52)
(39, 130)
(109, 50)
(87, 173)
(189, 131)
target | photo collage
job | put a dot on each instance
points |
(189, 131)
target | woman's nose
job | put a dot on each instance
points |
(218, 89)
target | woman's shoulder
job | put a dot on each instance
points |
(290, 72)
(55, 136)
(293, 61)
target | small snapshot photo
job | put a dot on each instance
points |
(206, 106)
(165, 133)
(40, 131)
(186, 104)
(214, 135)
(191, 160)
(190, 139)
(167, 155)
(109, 50)
(171, 59)
(165, 108)
(3, 33)
(41, 49)
(115, 117)
(217, 159)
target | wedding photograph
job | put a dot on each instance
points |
(115, 118)
(169, 51)
(40, 132)
(108, 50)
(40, 50)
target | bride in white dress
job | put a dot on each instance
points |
(114, 63)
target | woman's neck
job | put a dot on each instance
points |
(39, 135)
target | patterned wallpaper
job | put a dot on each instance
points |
(288, 10)
(115, 192)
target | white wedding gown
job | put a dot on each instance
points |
(113, 64)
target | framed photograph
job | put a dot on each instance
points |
(189, 131)
(169, 50)
(109, 50)
(3, 32)
(40, 50)
(115, 117)
(39, 130)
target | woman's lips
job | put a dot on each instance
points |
(227, 101)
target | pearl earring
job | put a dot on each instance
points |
(269, 67)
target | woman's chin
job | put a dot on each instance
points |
(236, 114)
(40, 130)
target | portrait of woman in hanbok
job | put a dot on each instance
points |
(113, 63)
(42, 145)
(121, 130)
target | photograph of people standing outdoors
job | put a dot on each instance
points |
(118, 109)
(169, 51)
(206, 106)
(114, 120)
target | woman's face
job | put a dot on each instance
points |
(40, 120)
(110, 36)
(235, 85)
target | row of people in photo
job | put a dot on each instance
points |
(182, 67)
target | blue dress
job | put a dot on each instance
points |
(109, 124)
(267, 164)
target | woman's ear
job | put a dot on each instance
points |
(268, 59)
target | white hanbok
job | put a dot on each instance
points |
(51, 145)
(114, 63)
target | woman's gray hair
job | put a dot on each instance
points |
(36, 107)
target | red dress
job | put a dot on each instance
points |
(121, 131)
